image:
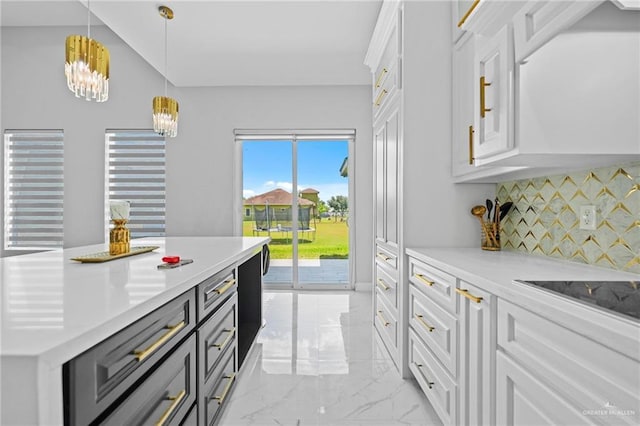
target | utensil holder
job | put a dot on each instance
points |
(490, 237)
(119, 238)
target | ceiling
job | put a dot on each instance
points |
(229, 43)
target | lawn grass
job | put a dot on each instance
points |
(331, 241)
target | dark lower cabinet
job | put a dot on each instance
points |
(175, 366)
(166, 396)
(217, 390)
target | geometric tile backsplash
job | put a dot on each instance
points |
(544, 219)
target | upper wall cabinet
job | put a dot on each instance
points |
(556, 88)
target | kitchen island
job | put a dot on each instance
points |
(54, 309)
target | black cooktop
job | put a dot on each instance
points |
(622, 297)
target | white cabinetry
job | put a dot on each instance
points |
(477, 354)
(550, 72)
(493, 71)
(387, 113)
(452, 344)
(549, 372)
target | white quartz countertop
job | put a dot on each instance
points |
(495, 269)
(54, 308)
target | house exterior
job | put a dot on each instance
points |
(272, 209)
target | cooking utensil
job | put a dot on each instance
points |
(489, 204)
(479, 211)
(495, 213)
(504, 209)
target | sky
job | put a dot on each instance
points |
(267, 165)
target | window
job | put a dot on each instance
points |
(136, 173)
(34, 189)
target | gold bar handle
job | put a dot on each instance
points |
(424, 279)
(226, 341)
(384, 321)
(383, 256)
(420, 319)
(471, 159)
(381, 76)
(169, 411)
(466, 15)
(429, 384)
(226, 389)
(483, 109)
(468, 295)
(226, 286)
(380, 96)
(382, 284)
(141, 355)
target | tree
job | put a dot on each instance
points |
(322, 208)
(339, 204)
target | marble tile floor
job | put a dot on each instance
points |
(317, 361)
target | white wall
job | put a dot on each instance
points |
(436, 211)
(199, 160)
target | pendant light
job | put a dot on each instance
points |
(87, 65)
(165, 109)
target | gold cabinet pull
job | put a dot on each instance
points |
(383, 256)
(424, 279)
(226, 341)
(141, 355)
(381, 76)
(420, 319)
(384, 321)
(429, 384)
(483, 108)
(380, 96)
(225, 391)
(227, 285)
(382, 284)
(471, 145)
(176, 400)
(468, 295)
(466, 15)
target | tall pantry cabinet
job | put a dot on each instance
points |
(416, 203)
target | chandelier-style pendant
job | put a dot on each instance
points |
(87, 68)
(165, 109)
(165, 116)
(87, 65)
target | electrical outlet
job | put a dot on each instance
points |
(588, 217)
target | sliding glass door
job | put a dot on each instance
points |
(296, 191)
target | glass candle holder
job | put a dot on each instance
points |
(119, 238)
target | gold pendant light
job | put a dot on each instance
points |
(87, 65)
(165, 109)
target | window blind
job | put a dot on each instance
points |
(34, 189)
(136, 173)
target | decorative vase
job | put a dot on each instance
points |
(119, 238)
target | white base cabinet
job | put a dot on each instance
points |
(513, 354)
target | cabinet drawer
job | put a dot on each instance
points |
(437, 327)
(192, 417)
(434, 381)
(386, 323)
(215, 336)
(388, 287)
(213, 290)
(164, 397)
(386, 258)
(436, 284)
(216, 393)
(573, 365)
(99, 376)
